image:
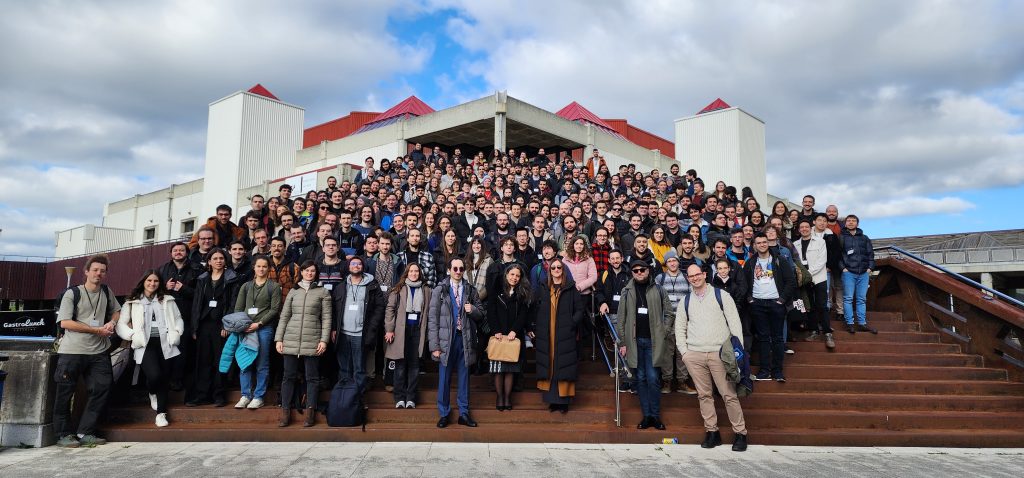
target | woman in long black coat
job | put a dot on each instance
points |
(559, 309)
(508, 311)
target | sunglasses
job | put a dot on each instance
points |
(458, 269)
(556, 268)
(639, 270)
(323, 208)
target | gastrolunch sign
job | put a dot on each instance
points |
(28, 323)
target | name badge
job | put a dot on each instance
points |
(616, 297)
(329, 287)
(849, 252)
(254, 310)
(353, 307)
(383, 288)
(412, 316)
(804, 262)
(673, 298)
(540, 256)
(213, 303)
(93, 321)
(642, 310)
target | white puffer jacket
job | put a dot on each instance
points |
(138, 331)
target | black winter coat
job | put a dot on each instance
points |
(373, 306)
(569, 316)
(187, 276)
(225, 293)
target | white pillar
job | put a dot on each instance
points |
(986, 280)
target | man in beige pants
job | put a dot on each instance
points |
(701, 329)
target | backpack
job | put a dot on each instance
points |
(744, 384)
(346, 408)
(718, 297)
(76, 297)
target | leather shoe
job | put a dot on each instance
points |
(866, 328)
(644, 424)
(740, 444)
(851, 329)
(442, 423)
(467, 421)
(656, 423)
(711, 440)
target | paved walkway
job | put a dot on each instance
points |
(481, 459)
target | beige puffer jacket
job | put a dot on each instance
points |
(305, 320)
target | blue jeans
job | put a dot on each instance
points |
(351, 364)
(260, 369)
(648, 379)
(855, 285)
(456, 363)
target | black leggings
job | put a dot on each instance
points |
(291, 374)
(157, 371)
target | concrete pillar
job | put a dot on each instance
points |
(500, 120)
(26, 415)
(986, 280)
(657, 160)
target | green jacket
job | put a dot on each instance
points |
(661, 320)
(268, 301)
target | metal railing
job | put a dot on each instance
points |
(900, 253)
(618, 360)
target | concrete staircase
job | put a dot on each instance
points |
(901, 387)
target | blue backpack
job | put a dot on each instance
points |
(346, 408)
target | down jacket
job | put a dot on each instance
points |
(305, 320)
(136, 328)
(440, 326)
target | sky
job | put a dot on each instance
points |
(909, 114)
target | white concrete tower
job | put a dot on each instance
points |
(724, 143)
(251, 137)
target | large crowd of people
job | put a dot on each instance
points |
(431, 257)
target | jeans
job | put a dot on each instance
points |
(291, 375)
(260, 369)
(351, 362)
(98, 378)
(157, 371)
(457, 364)
(769, 319)
(407, 370)
(855, 285)
(648, 379)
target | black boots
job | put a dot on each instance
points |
(740, 444)
(711, 440)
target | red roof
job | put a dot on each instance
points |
(260, 90)
(716, 105)
(410, 106)
(576, 112)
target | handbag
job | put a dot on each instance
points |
(503, 350)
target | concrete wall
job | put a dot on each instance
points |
(26, 414)
(726, 145)
(89, 238)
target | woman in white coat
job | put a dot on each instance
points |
(154, 327)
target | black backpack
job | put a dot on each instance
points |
(76, 297)
(346, 408)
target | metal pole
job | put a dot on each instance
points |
(618, 399)
(593, 330)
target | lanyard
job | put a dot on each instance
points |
(96, 306)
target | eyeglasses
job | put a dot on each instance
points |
(458, 269)
(696, 276)
(639, 270)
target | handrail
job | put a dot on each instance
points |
(615, 342)
(958, 277)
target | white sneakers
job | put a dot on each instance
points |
(243, 402)
(400, 404)
(152, 401)
(410, 404)
(161, 420)
(255, 404)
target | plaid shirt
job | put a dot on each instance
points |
(600, 255)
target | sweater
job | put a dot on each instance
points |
(711, 324)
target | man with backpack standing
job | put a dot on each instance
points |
(707, 320)
(88, 314)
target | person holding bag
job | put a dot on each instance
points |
(405, 332)
(154, 327)
(508, 309)
(260, 298)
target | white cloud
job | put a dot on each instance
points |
(104, 100)
(877, 106)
